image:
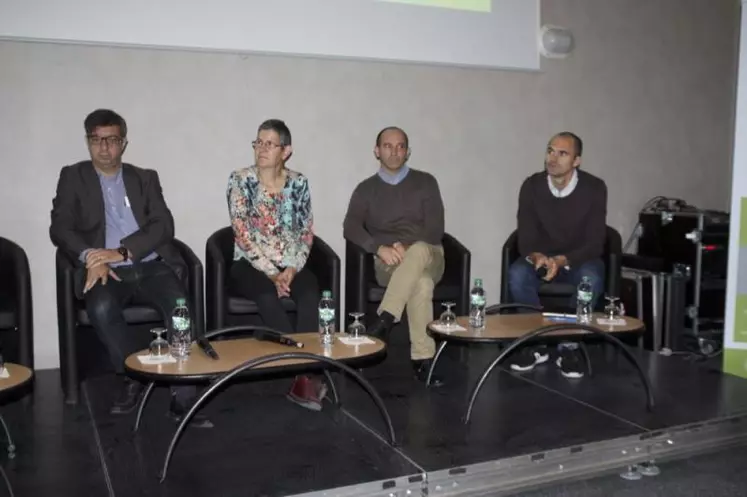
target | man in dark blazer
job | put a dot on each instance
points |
(111, 218)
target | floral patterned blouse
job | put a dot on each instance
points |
(271, 230)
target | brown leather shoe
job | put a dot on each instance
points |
(308, 392)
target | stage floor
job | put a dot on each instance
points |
(262, 445)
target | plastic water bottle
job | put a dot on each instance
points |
(477, 305)
(584, 297)
(181, 330)
(327, 318)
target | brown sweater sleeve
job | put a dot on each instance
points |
(354, 225)
(595, 231)
(527, 221)
(433, 231)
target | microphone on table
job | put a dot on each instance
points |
(277, 338)
(206, 347)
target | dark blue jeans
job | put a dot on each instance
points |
(524, 283)
(153, 283)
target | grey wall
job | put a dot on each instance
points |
(649, 89)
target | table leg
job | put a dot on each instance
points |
(141, 406)
(11, 445)
(333, 388)
(441, 348)
(560, 327)
(585, 353)
(228, 376)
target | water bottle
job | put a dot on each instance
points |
(181, 330)
(477, 305)
(584, 296)
(327, 318)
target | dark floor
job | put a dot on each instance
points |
(263, 445)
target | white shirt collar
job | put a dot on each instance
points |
(568, 188)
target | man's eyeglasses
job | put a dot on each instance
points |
(259, 144)
(111, 141)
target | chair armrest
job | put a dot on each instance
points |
(645, 263)
(216, 286)
(458, 261)
(324, 263)
(67, 324)
(613, 248)
(356, 277)
(195, 289)
(509, 254)
(18, 281)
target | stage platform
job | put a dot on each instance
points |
(528, 431)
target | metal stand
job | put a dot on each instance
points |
(141, 405)
(11, 445)
(252, 363)
(560, 327)
(441, 348)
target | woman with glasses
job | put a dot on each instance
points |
(270, 208)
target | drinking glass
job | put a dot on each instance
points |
(159, 347)
(448, 318)
(356, 328)
(611, 310)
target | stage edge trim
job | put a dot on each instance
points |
(533, 470)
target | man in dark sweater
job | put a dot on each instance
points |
(398, 215)
(561, 227)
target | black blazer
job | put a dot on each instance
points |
(78, 221)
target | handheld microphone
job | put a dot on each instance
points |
(541, 271)
(277, 338)
(204, 344)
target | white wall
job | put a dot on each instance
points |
(649, 89)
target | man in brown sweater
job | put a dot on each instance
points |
(562, 228)
(398, 215)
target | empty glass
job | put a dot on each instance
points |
(159, 347)
(448, 318)
(611, 310)
(356, 328)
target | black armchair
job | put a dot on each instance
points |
(555, 296)
(73, 319)
(363, 293)
(16, 309)
(224, 308)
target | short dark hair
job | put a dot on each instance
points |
(392, 128)
(278, 127)
(578, 145)
(104, 117)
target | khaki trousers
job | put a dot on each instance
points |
(410, 285)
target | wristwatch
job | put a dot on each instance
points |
(124, 253)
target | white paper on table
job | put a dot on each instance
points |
(356, 341)
(611, 322)
(448, 329)
(152, 361)
(4, 373)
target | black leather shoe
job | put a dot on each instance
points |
(421, 368)
(128, 398)
(176, 414)
(381, 327)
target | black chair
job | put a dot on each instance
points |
(555, 296)
(225, 308)
(76, 334)
(16, 309)
(363, 293)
